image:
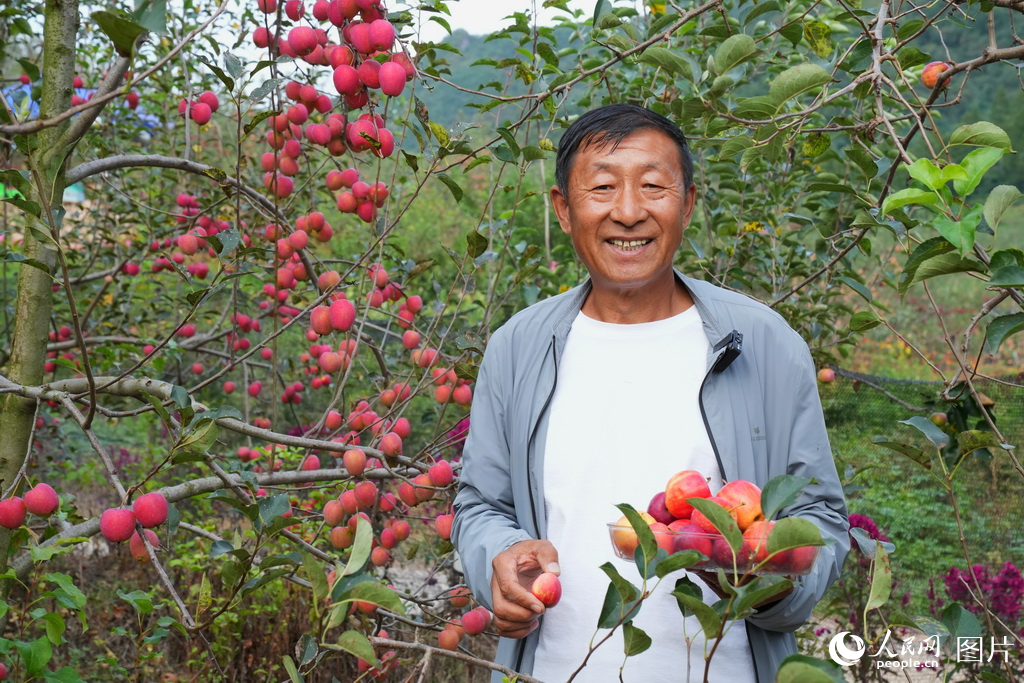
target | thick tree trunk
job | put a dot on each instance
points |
(34, 302)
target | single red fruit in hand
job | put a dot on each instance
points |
(547, 588)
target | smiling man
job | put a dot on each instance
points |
(599, 395)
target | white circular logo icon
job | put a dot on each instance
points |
(843, 655)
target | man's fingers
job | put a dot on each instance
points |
(515, 629)
(512, 590)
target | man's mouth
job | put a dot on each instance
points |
(630, 245)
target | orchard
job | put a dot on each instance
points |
(253, 252)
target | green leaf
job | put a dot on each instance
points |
(123, 32)
(762, 589)
(200, 439)
(912, 452)
(666, 59)
(627, 591)
(1000, 328)
(721, 519)
(819, 36)
(440, 133)
(647, 547)
(151, 15)
(64, 675)
(864, 320)
(959, 622)
(476, 244)
(35, 655)
(688, 586)
(927, 173)
(54, 625)
(677, 561)
(361, 547)
(272, 508)
(708, 619)
(857, 287)
(780, 492)
(1010, 276)
(937, 251)
(881, 579)
(793, 532)
(452, 186)
(261, 117)
(797, 80)
(911, 56)
(140, 600)
(293, 672)
(377, 594)
(805, 669)
(975, 439)
(976, 163)
(980, 134)
(634, 639)
(735, 50)
(999, 200)
(68, 595)
(911, 195)
(357, 644)
(960, 233)
(205, 595)
(602, 8)
(315, 574)
(306, 648)
(936, 436)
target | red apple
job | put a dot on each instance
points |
(547, 588)
(745, 498)
(624, 538)
(476, 620)
(41, 500)
(692, 537)
(117, 524)
(657, 509)
(826, 375)
(138, 548)
(930, 74)
(12, 512)
(685, 484)
(663, 536)
(151, 509)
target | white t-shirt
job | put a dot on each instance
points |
(624, 418)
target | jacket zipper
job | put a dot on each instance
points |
(707, 425)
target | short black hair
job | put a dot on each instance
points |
(609, 125)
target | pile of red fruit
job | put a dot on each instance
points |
(678, 526)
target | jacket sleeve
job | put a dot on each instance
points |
(485, 521)
(822, 501)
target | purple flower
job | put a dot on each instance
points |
(868, 525)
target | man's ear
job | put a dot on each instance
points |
(691, 202)
(560, 203)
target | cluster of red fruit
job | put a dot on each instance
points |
(360, 197)
(678, 526)
(471, 623)
(62, 334)
(41, 500)
(201, 109)
(118, 524)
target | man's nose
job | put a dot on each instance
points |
(630, 207)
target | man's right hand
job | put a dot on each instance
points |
(515, 607)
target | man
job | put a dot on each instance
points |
(599, 395)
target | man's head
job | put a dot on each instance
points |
(607, 127)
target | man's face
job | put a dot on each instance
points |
(626, 210)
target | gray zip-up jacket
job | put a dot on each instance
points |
(762, 413)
